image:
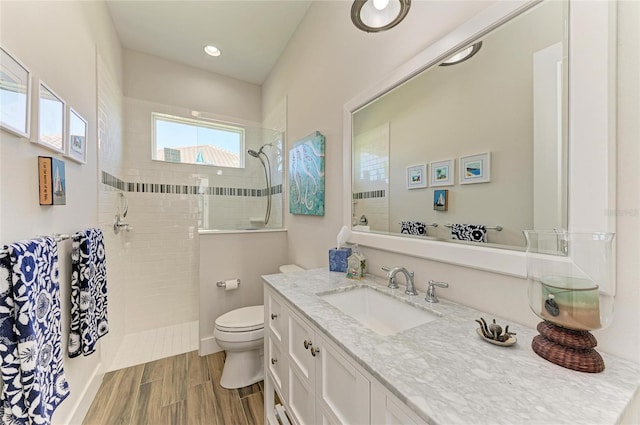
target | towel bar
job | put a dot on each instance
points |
(57, 236)
(426, 224)
(498, 228)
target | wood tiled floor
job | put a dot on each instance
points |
(179, 390)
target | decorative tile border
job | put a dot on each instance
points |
(370, 194)
(180, 189)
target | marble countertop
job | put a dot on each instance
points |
(447, 374)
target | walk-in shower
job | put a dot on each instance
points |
(233, 198)
(267, 175)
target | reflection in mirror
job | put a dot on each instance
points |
(51, 119)
(498, 119)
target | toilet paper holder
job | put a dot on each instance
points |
(223, 284)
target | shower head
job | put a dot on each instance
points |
(254, 153)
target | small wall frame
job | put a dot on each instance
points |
(475, 168)
(441, 173)
(51, 119)
(441, 200)
(15, 95)
(417, 176)
(77, 143)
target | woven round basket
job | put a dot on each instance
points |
(567, 337)
(567, 348)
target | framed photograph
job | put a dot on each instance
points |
(441, 173)
(441, 200)
(417, 176)
(51, 119)
(77, 144)
(475, 168)
(15, 95)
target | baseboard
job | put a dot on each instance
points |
(89, 392)
(208, 345)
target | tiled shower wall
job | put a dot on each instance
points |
(159, 257)
(110, 160)
(371, 178)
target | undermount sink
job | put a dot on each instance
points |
(377, 311)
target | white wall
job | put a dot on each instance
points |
(245, 256)
(321, 70)
(58, 42)
(158, 80)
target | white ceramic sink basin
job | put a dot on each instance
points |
(377, 311)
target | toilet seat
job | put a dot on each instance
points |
(244, 319)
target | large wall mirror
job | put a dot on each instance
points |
(520, 113)
(507, 101)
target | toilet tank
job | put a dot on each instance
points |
(288, 268)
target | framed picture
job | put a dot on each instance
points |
(417, 176)
(52, 182)
(441, 200)
(475, 168)
(77, 144)
(51, 119)
(306, 175)
(15, 95)
(441, 173)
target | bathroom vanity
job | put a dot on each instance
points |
(325, 366)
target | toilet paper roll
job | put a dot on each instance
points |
(231, 284)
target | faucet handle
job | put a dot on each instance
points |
(432, 296)
(392, 279)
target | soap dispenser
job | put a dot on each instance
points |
(356, 264)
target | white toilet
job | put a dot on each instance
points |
(240, 333)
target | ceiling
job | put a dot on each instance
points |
(250, 33)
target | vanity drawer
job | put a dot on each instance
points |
(275, 317)
(276, 362)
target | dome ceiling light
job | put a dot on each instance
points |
(378, 15)
(462, 55)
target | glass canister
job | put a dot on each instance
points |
(572, 288)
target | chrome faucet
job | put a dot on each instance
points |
(391, 275)
(432, 297)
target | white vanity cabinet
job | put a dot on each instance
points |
(321, 384)
(275, 342)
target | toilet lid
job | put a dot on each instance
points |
(242, 319)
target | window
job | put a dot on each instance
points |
(189, 141)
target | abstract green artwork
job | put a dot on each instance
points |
(306, 175)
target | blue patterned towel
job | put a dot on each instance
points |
(88, 292)
(413, 228)
(34, 383)
(469, 232)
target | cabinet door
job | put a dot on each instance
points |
(386, 410)
(301, 340)
(341, 390)
(275, 317)
(302, 398)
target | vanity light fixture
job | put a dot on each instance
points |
(378, 15)
(462, 55)
(212, 50)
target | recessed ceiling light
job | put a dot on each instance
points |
(462, 55)
(378, 15)
(212, 50)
